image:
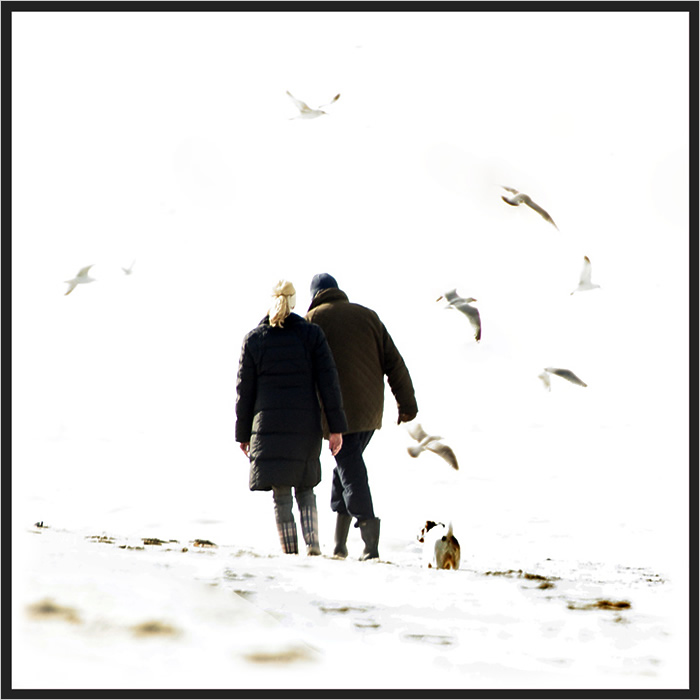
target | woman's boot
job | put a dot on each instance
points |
(369, 531)
(284, 517)
(342, 527)
(309, 528)
(288, 536)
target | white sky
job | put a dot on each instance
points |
(166, 138)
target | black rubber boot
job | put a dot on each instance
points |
(342, 527)
(369, 531)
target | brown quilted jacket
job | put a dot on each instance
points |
(364, 353)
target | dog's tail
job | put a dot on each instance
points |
(451, 538)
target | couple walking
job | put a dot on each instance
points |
(301, 379)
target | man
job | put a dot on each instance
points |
(364, 353)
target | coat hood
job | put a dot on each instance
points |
(326, 296)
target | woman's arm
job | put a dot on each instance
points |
(246, 387)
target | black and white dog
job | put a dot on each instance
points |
(441, 548)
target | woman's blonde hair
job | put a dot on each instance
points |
(284, 300)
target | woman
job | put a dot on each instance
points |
(285, 367)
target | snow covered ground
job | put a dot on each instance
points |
(99, 614)
(556, 589)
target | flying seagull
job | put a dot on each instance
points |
(545, 380)
(585, 283)
(521, 198)
(563, 373)
(128, 270)
(305, 111)
(81, 278)
(463, 304)
(431, 443)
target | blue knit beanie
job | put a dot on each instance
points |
(322, 281)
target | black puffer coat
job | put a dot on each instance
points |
(282, 373)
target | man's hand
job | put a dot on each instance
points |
(335, 442)
(245, 446)
(405, 417)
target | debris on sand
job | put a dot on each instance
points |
(282, 656)
(522, 574)
(600, 604)
(48, 610)
(154, 628)
(103, 539)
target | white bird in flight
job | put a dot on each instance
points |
(585, 283)
(81, 278)
(521, 198)
(463, 304)
(305, 111)
(563, 373)
(431, 443)
(128, 270)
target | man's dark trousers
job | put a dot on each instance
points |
(350, 492)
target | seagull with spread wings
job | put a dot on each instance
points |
(585, 282)
(431, 443)
(305, 112)
(563, 373)
(464, 305)
(81, 278)
(520, 198)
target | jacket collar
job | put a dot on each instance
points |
(291, 320)
(328, 296)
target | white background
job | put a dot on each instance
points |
(167, 138)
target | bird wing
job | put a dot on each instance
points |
(450, 296)
(472, 313)
(586, 272)
(566, 374)
(510, 189)
(417, 433)
(439, 448)
(73, 284)
(545, 380)
(331, 102)
(536, 207)
(301, 106)
(84, 271)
